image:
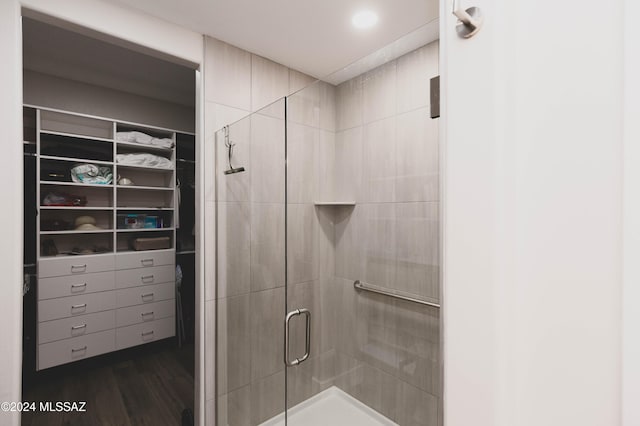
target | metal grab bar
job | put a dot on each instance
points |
(360, 286)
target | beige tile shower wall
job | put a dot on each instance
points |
(386, 159)
(250, 219)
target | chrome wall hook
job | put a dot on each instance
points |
(469, 20)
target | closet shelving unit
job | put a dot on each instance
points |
(67, 139)
(96, 293)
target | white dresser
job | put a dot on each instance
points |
(91, 305)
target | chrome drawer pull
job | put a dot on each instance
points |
(84, 348)
(83, 305)
(147, 278)
(147, 295)
(144, 314)
(147, 333)
(78, 268)
(77, 327)
(147, 262)
(83, 285)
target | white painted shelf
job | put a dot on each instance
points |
(186, 252)
(76, 160)
(75, 208)
(144, 229)
(152, 188)
(77, 255)
(76, 231)
(145, 208)
(88, 185)
(73, 135)
(145, 168)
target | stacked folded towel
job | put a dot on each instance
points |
(144, 139)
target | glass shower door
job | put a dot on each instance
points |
(310, 256)
(250, 299)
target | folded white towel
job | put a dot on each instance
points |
(144, 159)
(143, 139)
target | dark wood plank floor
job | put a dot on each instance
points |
(149, 386)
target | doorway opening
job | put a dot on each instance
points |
(109, 305)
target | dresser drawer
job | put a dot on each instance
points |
(69, 350)
(81, 325)
(145, 259)
(145, 313)
(71, 285)
(144, 294)
(145, 276)
(144, 333)
(65, 307)
(75, 265)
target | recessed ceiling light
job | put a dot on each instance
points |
(364, 19)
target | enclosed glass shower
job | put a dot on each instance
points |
(328, 254)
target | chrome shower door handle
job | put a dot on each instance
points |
(307, 346)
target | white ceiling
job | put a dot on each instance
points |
(312, 36)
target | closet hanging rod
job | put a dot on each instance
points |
(360, 286)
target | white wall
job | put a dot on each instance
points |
(631, 289)
(11, 174)
(470, 185)
(569, 211)
(532, 216)
(60, 93)
(131, 26)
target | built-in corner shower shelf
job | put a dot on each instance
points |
(334, 203)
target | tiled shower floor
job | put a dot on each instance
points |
(331, 407)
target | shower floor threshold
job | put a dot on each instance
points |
(331, 407)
